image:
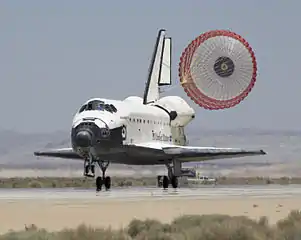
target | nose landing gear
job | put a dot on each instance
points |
(89, 171)
(104, 180)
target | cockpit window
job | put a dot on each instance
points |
(82, 108)
(113, 108)
(98, 105)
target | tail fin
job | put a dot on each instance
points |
(160, 68)
(165, 64)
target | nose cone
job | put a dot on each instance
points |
(83, 138)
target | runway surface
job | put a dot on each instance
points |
(68, 208)
(136, 194)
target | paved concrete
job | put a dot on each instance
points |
(132, 194)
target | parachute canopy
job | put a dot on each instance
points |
(218, 69)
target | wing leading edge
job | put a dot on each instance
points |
(59, 153)
(198, 154)
(195, 154)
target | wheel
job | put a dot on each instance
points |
(165, 182)
(98, 184)
(174, 181)
(107, 183)
(159, 181)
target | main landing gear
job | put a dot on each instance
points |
(173, 172)
(89, 171)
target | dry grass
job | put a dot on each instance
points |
(81, 182)
(190, 227)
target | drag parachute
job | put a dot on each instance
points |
(218, 69)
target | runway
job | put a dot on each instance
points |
(138, 194)
(55, 209)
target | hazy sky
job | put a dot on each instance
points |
(54, 55)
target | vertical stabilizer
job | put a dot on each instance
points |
(165, 67)
(159, 71)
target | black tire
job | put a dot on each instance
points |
(165, 182)
(159, 181)
(98, 184)
(174, 182)
(107, 183)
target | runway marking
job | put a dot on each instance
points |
(136, 194)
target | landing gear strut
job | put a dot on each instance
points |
(173, 172)
(104, 180)
(89, 167)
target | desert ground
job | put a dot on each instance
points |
(55, 215)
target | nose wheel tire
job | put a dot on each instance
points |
(98, 184)
(107, 183)
(103, 181)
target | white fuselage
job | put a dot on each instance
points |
(135, 122)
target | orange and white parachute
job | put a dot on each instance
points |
(218, 69)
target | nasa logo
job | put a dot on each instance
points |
(123, 133)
